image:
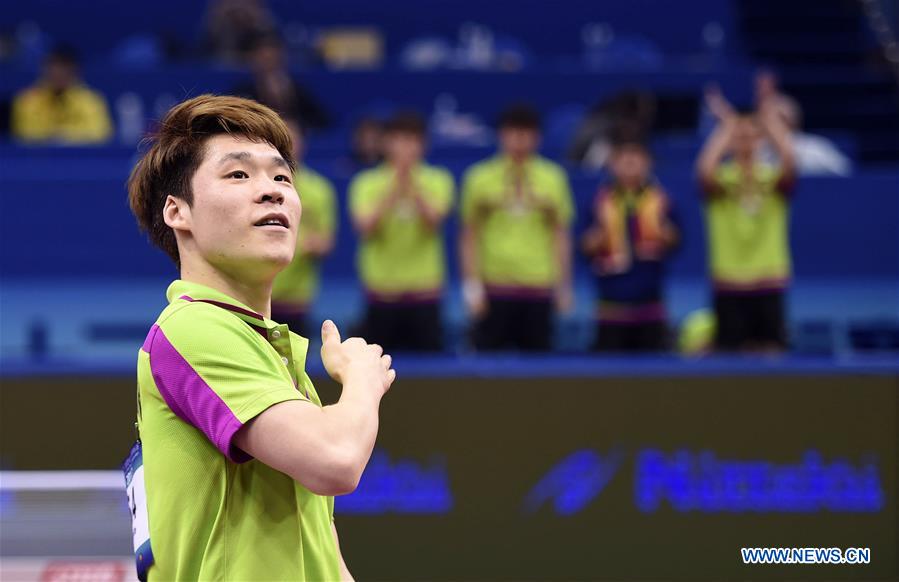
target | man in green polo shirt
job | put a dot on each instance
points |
(747, 209)
(237, 462)
(296, 286)
(398, 209)
(516, 239)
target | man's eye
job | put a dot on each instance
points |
(240, 174)
(282, 178)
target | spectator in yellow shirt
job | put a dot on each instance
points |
(398, 209)
(517, 211)
(59, 108)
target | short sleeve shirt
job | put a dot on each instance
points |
(404, 255)
(516, 233)
(298, 282)
(208, 366)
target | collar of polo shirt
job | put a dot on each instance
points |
(181, 289)
(276, 334)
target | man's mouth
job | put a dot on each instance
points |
(274, 219)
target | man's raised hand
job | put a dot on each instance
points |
(355, 359)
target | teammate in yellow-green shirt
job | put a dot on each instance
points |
(517, 212)
(398, 210)
(296, 287)
(747, 205)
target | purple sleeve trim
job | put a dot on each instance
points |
(149, 339)
(191, 398)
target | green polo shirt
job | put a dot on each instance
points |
(297, 284)
(747, 222)
(208, 366)
(404, 256)
(516, 234)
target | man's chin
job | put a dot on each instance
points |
(278, 261)
(258, 267)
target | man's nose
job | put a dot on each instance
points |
(270, 195)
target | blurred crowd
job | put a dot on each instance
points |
(516, 245)
(516, 209)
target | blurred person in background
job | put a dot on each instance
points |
(632, 236)
(368, 142)
(629, 112)
(398, 209)
(517, 213)
(272, 84)
(59, 108)
(296, 286)
(232, 26)
(366, 148)
(814, 155)
(747, 205)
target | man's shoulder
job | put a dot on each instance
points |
(486, 169)
(199, 322)
(432, 172)
(312, 179)
(369, 176)
(549, 168)
(30, 95)
(86, 94)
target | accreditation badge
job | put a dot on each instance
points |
(133, 467)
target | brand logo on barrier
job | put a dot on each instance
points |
(702, 482)
(691, 481)
(402, 486)
(574, 482)
(685, 481)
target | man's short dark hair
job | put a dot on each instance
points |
(265, 39)
(519, 116)
(408, 122)
(624, 144)
(629, 136)
(178, 149)
(62, 55)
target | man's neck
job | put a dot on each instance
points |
(630, 185)
(518, 159)
(402, 167)
(254, 294)
(745, 162)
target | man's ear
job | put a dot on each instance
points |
(176, 213)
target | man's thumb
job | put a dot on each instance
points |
(330, 334)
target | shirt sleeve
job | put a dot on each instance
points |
(329, 209)
(363, 195)
(96, 126)
(468, 203)
(440, 191)
(28, 122)
(563, 198)
(215, 374)
(783, 184)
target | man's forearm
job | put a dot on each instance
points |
(563, 255)
(431, 216)
(367, 225)
(713, 152)
(468, 254)
(353, 423)
(781, 138)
